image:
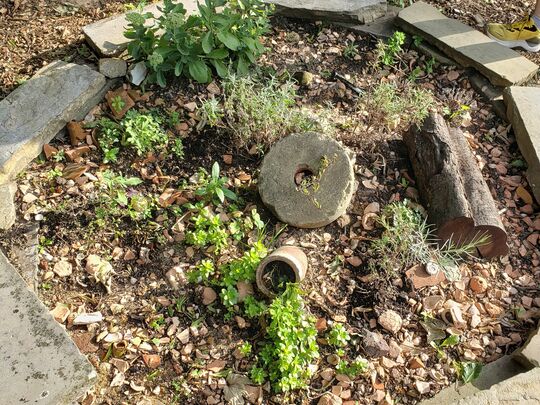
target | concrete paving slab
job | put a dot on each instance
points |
(363, 11)
(529, 353)
(522, 111)
(34, 113)
(107, 36)
(467, 46)
(39, 362)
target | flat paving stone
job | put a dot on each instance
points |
(39, 362)
(107, 36)
(522, 112)
(382, 27)
(363, 11)
(316, 202)
(7, 205)
(529, 353)
(34, 113)
(467, 46)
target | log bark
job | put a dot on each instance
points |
(452, 188)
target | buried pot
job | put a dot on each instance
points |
(287, 264)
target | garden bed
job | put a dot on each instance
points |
(179, 341)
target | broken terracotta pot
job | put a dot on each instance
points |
(287, 264)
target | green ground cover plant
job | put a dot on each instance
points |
(222, 36)
(258, 112)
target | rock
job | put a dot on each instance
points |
(107, 36)
(8, 212)
(382, 27)
(478, 284)
(331, 10)
(216, 365)
(176, 277)
(152, 360)
(390, 320)
(76, 132)
(469, 47)
(191, 106)
(126, 102)
(490, 93)
(245, 289)
(49, 151)
(209, 296)
(137, 73)
(63, 268)
(60, 312)
(323, 197)
(101, 270)
(374, 344)
(529, 353)
(330, 399)
(88, 318)
(420, 277)
(84, 342)
(422, 386)
(25, 253)
(113, 67)
(43, 362)
(36, 111)
(522, 103)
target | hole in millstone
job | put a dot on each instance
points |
(276, 275)
(303, 174)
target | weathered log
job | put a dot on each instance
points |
(452, 188)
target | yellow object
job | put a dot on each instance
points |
(523, 34)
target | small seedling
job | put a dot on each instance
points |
(388, 52)
(338, 336)
(117, 104)
(214, 187)
(354, 368)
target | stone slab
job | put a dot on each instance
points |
(7, 205)
(492, 374)
(492, 94)
(39, 362)
(467, 46)
(112, 67)
(363, 11)
(24, 254)
(34, 113)
(307, 206)
(522, 389)
(522, 111)
(382, 27)
(106, 36)
(529, 353)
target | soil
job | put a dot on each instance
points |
(340, 285)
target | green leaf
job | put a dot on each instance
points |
(220, 53)
(220, 195)
(178, 68)
(215, 170)
(450, 341)
(229, 194)
(469, 371)
(199, 71)
(121, 198)
(229, 40)
(208, 42)
(160, 77)
(243, 67)
(132, 181)
(221, 69)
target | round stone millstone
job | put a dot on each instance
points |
(313, 201)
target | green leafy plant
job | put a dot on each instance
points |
(468, 371)
(350, 50)
(222, 35)
(203, 272)
(354, 368)
(177, 148)
(387, 52)
(117, 104)
(141, 131)
(259, 113)
(338, 335)
(246, 349)
(207, 230)
(292, 345)
(408, 239)
(59, 156)
(386, 104)
(213, 187)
